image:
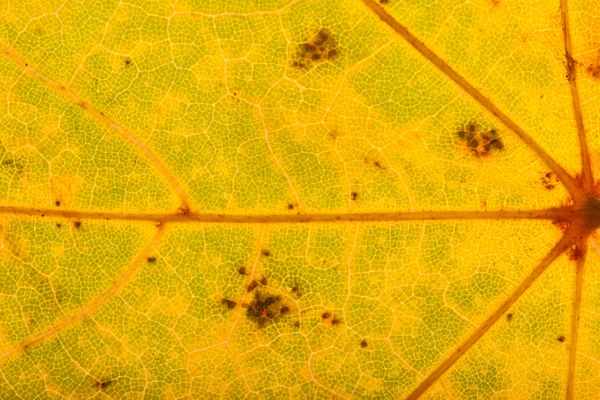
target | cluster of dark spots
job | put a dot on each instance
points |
(266, 253)
(353, 195)
(363, 343)
(549, 181)
(230, 304)
(183, 210)
(242, 270)
(479, 142)
(509, 317)
(575, 253)
(57, 203)
(332, 319)
(265, 308)
(77, 224)
(151, 260)
(320, 48)
(296, 291)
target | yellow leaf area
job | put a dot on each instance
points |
(300, 199)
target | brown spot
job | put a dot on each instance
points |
(266, 308)
(151, 259)
(252, 286)
(183, 210)
(336, 321)
(230, 304)
(77, 224)
(101, 385)
(266, 253)
(296, 291)
(378, 165)
(59, 226)
(509, 317)
(297, 324)
(549, 181)
(561, 338)
(320, 48)
(575, 253)
(326, 315)
(384, 2)
(479, 142)
(353, 195)
(290, 206)
(57, 203)
(264, 281)
(363, 343)
(242, 270)
(127, 62)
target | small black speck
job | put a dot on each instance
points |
(353, 195)
(509, 317)
(77, 224)
(57, 203)
(59, 226)
(363, 343)
(242, 270)
(151, 259)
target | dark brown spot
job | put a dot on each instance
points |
(284, 310)
(101, 385)
(297, 324)
(230, 304)
(242, 270)
(296, 290)
(264, 281)
(290, 206)
(332, 54)
(384, 2)
(77, 224)
(326, 315)
(183, 210)
(252, 286)
(266, 253)
(363, 343)
(575, 253)
(353, 195)
(265, 308)
(509, 317)
(59, 226)
(57, 203)
(127, 62)
(151, 259)
(561, 338)
(336, 321)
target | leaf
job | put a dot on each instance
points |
(299, 199)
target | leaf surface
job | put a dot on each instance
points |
(275, 199)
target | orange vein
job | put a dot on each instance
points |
(586, 167)
(158, 164)
(91, 307)
(561, 245)
(559, 214)
(575, 319)
(568, 181)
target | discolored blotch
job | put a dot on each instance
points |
(561, 338)
(297, 324)
(363, 344)
(320, 48)
(101, 385)
(77, 224)
(575, 253)
(59, 226)
(549, 181)
(57, 203)
(266, 308)
(266, 253)
(264, 281)
(290, 206)
(296, 291)
(127, 62)
(326, 315)
(336, 321)
(183, 210)
(480, 142)
(252, 286)
(384, 2)
(242, 271)
(509, 317)
(230, 304)
(353, 195)
(151, 260)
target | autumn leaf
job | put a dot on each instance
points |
(299, 199)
